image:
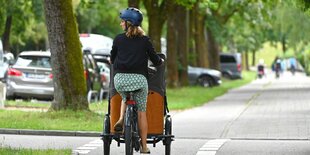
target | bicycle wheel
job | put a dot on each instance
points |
(106, 139)
(128, 131)
(168, 131)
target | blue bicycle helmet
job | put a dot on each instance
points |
(133, 15)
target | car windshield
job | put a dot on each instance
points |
(33, 61)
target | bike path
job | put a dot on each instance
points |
(268, 109)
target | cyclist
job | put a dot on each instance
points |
(129, 56)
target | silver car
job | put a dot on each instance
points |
(30, 76)
(204, 76)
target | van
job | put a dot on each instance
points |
(2, 64)
(96, 43)
(231, 65)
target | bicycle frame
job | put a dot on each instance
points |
(131, 125)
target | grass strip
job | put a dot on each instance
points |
(20, 151)
(62, 120)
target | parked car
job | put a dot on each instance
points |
(5, 60)
(204, 76)
(104, 66)
(30, 76)
(231, 65)
(96, 43)
(93, 77)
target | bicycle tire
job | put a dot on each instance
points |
(168, 131)
(128, 131)
(106, 149)
(106, 139)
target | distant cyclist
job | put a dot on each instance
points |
(277, 66)
(129, 56)
(261, 68)
(293, 64)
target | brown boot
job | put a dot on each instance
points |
(118, 127)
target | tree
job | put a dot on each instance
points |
(177, 42)
(11, 13)
(133, 3)
(66, 56)
(22, 25)
(246, 31)
(104, 16)
(157, 15)
(285, 27)
(199, 15)
(182, 42)
(220, 13)
(172, 54)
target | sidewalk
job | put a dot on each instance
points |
(266, 108)
(279, 111)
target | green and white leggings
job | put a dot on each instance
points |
(125, 82)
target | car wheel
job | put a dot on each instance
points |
(205, 81)
(102, 94)
(10, 97)
(227, 76)
(92, 96)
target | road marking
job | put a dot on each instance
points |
(86, 148)
(210, 147)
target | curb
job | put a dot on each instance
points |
(50, 132)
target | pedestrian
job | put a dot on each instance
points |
(129, 56)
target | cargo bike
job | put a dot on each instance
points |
(158, 118)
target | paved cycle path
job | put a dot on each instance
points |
(267, 108)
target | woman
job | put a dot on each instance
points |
(129, 56)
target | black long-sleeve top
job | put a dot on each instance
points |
(130, 55)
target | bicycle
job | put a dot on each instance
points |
(159, 120)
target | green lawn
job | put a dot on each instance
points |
(63, 120)
(178, 99)
(11, 151)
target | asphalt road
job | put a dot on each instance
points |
(267, 116)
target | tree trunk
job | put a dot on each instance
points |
(172, 58)
(213, 50)
(192, 49)
(134, 3)
(66, 56)
(200, 39)
(253, 57)
(157, 15)
(283, 41)
(247, 60)
(182, 42)
(6, 34)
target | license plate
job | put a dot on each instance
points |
(35, 76)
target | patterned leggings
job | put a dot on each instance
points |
(130, 82)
